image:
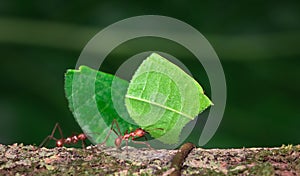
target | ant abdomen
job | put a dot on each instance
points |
(118, 142)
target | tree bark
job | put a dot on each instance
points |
(19, 159)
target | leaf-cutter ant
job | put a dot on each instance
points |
(64, 141)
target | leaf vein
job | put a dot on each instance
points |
(159, 105)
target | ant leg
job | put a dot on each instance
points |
(127, 147)
(141, 142)
(59, 130)
(83, 144)
(116, 122)
(46, 140)
(52, 135)
(112, 129)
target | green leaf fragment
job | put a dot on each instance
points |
(95, 99)
(162, 96)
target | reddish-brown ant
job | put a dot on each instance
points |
(138, 133)
(62, 141)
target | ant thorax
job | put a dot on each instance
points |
(68, 140)
(74, 139)
(127, 136)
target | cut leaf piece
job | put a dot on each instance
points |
(162, 96)
(93, 101)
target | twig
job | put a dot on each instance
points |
(178, 159)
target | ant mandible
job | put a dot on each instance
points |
(138, 133)
(62, 141)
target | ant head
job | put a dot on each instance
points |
(82, 136)
(118, 142)
(140, 132)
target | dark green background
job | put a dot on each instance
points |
(257, 43)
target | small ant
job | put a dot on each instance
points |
(138, 133)
(62, 141)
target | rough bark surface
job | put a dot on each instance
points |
(18, 159)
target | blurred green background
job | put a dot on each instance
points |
(257, 42)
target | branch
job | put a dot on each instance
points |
(31, 160)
